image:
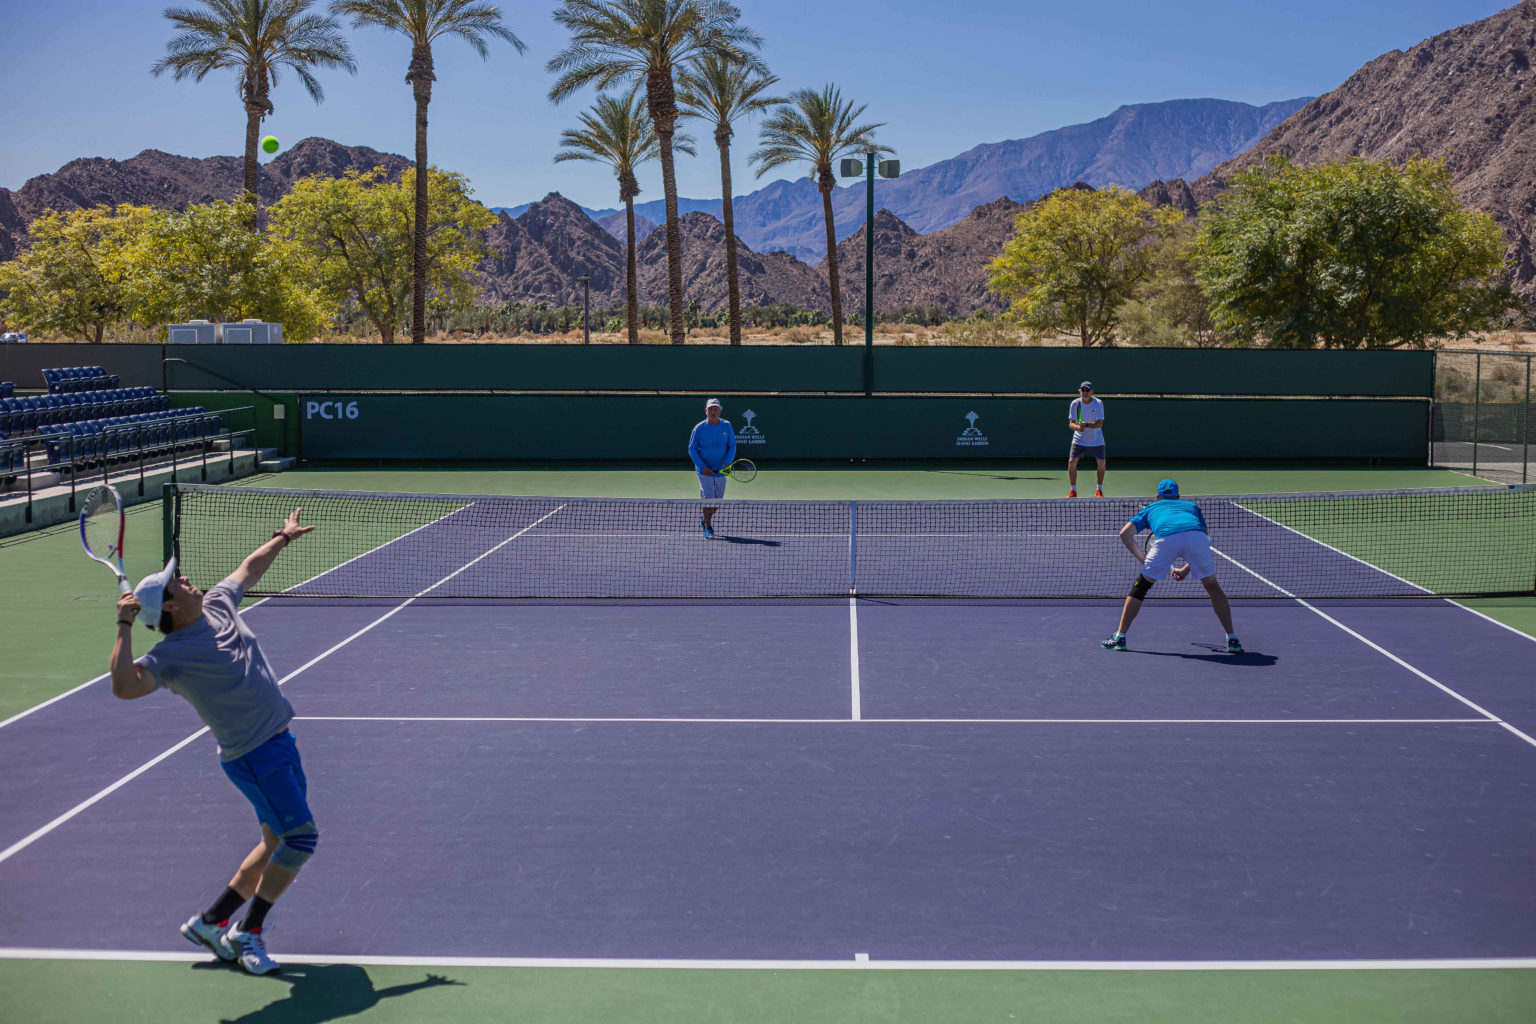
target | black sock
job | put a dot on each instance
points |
(256, 916)
(223, 907)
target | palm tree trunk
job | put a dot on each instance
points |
(632, 302)
(661, 102)
(837, 291)
(421, 77)
(252, 172)
(728, 215)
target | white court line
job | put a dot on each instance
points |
(658, 720)
(853, 655)
(850, 964)
(254, 605)
(1502, 625)
(22, 844)
(1380, 649)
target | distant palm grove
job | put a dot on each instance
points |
(1346, 255)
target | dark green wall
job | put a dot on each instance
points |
(271, 432)
(754, 369)
(553, 427)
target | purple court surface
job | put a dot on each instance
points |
(821, 780)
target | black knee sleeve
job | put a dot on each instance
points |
(1140, 587)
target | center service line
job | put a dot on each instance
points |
(853, 654)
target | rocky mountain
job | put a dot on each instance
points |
(1133, 146)
(617, 225)
(946, 268)
(1467, 96)
(172, 182)
(541, 255)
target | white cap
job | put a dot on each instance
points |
(713, 403)
(151, 594)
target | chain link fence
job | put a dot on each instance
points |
(1482, 420)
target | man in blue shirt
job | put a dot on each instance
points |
(712, 447)
(1179, 534)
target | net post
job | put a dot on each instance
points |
(853, 546)
(167, 521)
(1477, 407)
(1525, 427)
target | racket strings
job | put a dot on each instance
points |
(102, 517)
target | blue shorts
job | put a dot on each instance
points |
(272, 779)
(712, 485)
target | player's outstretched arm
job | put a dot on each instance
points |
(1128, 538)
(259, 561)
(129, 681)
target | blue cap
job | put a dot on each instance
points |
(1167, 488)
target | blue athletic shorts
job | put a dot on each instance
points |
(712, 485)
(272, 779)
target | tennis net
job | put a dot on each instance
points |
(1411, 543)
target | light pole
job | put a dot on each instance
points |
(586, 309)
(852, 169)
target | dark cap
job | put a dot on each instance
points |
(1086, 385)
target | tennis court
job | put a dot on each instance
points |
(510, 767)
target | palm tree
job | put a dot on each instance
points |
(720, 91)
(630, 41)
(819, 127)
(620, 134)
(255, 38)
(424, 22)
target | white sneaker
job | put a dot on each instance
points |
(251, 950)
(209, 936)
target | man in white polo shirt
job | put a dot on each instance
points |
(1085, 417)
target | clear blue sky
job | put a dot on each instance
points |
(74, 79)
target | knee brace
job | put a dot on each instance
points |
(296, 846)
(1140, 587)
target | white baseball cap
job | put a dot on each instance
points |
(151, 593)
(713, 403)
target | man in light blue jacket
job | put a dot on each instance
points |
(712, 447)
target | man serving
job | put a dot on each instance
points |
(211, 658)
(1178, 534)
(712, 447)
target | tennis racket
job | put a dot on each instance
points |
(101, 530)
(742, 470)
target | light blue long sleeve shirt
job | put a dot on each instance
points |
(712, 446)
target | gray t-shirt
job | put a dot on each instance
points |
(217, 665)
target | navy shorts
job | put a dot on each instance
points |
(272, 779)
(1094, 452)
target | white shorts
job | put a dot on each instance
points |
(1192, 546)
(712, 485)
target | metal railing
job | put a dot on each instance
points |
(140, 445)
(1482, 420)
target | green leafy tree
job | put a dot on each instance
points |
(818, 127)
(644, 42)
(70, 280)
(1169, 308)
(201, 264)
(720, 91)
(1075, 257)
(356, 232)
(619, 133)
(1349, 254)
(424, 22)
(256, 39)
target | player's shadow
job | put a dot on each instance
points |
(991, 476)
(319, 993)
(1219, 655)
(747, 540)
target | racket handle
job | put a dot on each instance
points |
(123, 584)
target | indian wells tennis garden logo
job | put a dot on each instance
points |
(750, 434)
(971, 436)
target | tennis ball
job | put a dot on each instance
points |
(269, 144)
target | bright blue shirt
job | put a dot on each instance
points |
(1168, 516)
(712, 446)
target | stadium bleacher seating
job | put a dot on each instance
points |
(72, 379)
(87, 419)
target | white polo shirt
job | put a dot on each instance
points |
(1091, 410)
